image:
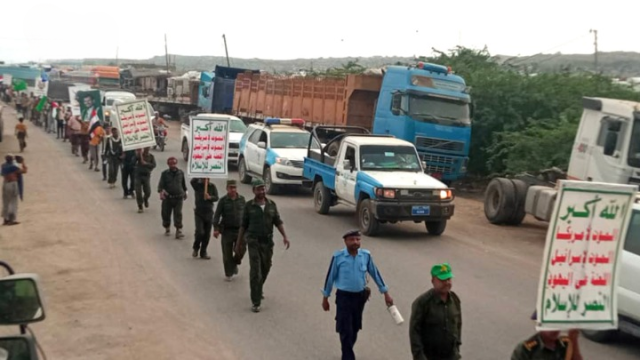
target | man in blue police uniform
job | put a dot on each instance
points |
(348, 271)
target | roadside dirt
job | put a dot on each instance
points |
(104, 299)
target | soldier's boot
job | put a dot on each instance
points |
(167, 231)
(179, 234)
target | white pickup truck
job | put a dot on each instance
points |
(379, 175)
(237, 128)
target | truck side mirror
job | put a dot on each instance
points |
(18, 347)
(424, 165)
(346, 163)
(20, 302)
(396, 103)
(262, 145)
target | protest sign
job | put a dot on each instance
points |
(208, 148)
(73, 99)
(41, 87)
(579, 277)
(90, 106)
(134, 122)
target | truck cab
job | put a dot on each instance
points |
(430, 107)
(382, 177)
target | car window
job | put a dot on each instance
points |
(254, 138)
(292, 140)
(632, 244)
(237, 126)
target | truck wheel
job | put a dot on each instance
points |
(436, 227)
(242, 172)
(321, 198)
(499, 200)
(185, 150)
(521, 196)
(600, 336)
(368, 224)
(269, 187)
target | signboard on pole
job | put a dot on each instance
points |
(7, 79)
(134, 122)
(41, 87)
(579, 277)
(75, 105)
(208, 150)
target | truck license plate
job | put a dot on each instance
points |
(424, 210)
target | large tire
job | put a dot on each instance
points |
(269, 187)
(367, 223)
(185, 150)
(242, 172)
(521, 196)
(600, 336)
(436, 228)
(321, 198)
(499, 201)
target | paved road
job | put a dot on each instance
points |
(496, 271)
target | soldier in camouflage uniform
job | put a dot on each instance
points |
(548, 345)
(259, 218)
(172, 188)
(227, 221)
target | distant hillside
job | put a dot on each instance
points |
(617, 64)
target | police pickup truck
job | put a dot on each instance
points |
(381, 176)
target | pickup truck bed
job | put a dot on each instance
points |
(329, 160)
(314, 168)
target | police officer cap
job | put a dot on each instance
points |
(231, 183)
(257, 183)
(351, 233)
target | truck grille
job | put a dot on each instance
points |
(234, 145)
(438, 159)
(431, 169)
(439, 144)
(297, 163)
(417, 195)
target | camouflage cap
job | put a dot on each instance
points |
(442, 271)
(231, 183)
(257, 183)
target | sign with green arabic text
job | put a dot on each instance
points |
(578, 281)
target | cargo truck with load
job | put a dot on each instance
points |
(380, 175)
(606, 149)
(426, 105)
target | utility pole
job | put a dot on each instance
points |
(117, 62)
(595, 44)
(166, 52)
(225, 49)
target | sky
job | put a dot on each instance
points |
(134, 29)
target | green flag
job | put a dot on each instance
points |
(19, 85)
(41, 103)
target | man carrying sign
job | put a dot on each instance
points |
(548, 345)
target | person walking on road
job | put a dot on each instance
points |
(227, 221)
(128, 159)
(96, 136)
(173, 192)
(113, 153)
(60, 114)
(205, 194)
(75, 127)
(21, 133)
(548, 345)
(11, 192)
(347, 271)
(259, 217)
(144, 165)
(436, 319)
(84, 141)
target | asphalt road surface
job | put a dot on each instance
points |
(496, 272)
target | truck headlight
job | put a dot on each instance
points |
(283, 161)
(386, 193)
(445, 194)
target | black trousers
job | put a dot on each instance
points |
(349, 309)
(204, 223)
(172, 205)
(127, 180)
(61, 129)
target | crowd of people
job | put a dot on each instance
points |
(436, 317)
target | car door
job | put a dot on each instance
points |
(250, 150)
(346, 177)
(261, 151)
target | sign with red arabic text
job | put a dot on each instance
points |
(208, 151)
(134, 122)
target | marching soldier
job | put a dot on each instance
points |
(227, 221)
(173, 192)
(436, 319)
(548, 345)
(206, 194)
(144, 164)
(259, 217)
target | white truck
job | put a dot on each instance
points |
(606, 149)
(237, 128)
(380, 175)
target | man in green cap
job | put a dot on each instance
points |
(548, 345)
(259, 218)
(227, 221)
(436, 319)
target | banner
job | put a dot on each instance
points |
(75, 104)
(7, 79)
(208, 150)
(90, 106)
(134, 122)
(41, 87)
(579, 277)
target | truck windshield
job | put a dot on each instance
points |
(236, 126)
(634, 145)
(389, 158)
(439, 110)
(292, 140)
(633, 234)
